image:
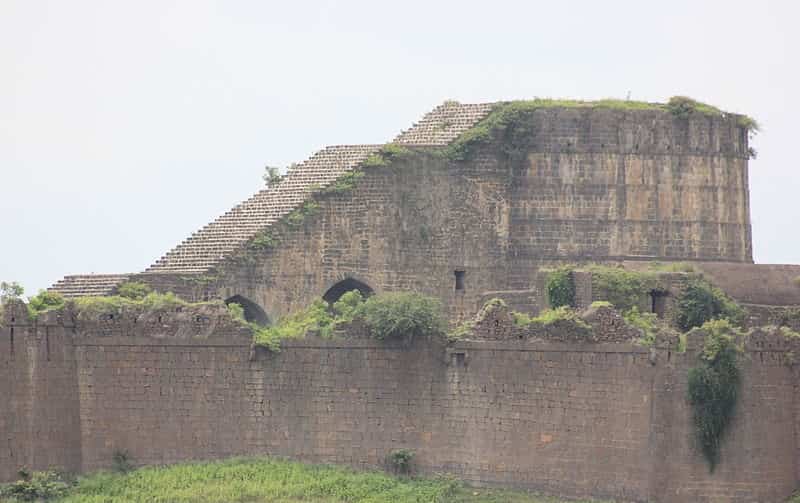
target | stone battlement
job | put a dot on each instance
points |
(529, 413)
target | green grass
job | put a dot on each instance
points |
(508, 122)
(264, 480)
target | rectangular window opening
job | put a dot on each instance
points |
(658, 304)
(460, 280)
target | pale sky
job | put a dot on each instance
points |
(126, 126)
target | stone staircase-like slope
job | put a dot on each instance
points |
(83, 285)
(210, 245)
(206, 247)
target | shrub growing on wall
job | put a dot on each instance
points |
(134, 290)
(701, 302)
(560, 287)
(393, 315)
(713, 387)
(44, 301)
(624, 289)
(402, 315)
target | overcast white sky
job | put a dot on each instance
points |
(125, 126)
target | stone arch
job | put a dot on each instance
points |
(344, 286)
(252, 311)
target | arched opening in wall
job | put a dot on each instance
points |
(344, 286)
(252, 311)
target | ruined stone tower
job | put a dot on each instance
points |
(474, 199)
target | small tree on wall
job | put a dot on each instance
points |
(272, 175)
(10, 291)
(560, 288)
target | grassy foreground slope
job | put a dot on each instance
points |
(268, 480)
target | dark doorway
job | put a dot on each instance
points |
(252, 311)
(658, 303)
(344, 286)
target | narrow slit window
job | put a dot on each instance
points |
(460, 280)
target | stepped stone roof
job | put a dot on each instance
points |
(81, 285)
(210, 245)
(206, 247)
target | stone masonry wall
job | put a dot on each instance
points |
(39, 421)
(594, 185)
(576, 419)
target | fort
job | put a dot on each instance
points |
(476, 206)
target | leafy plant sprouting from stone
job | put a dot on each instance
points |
(272, 175)
(684, 107)
(560, 287)
(344, 183)
(623, 288)
(550, 316)
(10, 291)
(134, 290)
(701, 301)
(44, 301)
(263, 240)
(646, 322)
(401, 461)
(713, 387)
(297, 216)
(385, 156)
(401, 315)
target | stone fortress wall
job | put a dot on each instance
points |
(605, 418)
(578, 185)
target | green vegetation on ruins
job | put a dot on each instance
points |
(254, 480)
(385, 155)
(131, 296)
(713, 387)
(701, 302)
(550, 316)
(263, 240)
(401, 315)
(297, 216)
(44, 301)
(646, 322)
(626, 290)
(621, 287)
(713, 384)
(134, 290)
(560, 287)
(344, 183)
(509, 122)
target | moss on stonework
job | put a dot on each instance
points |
(263, 240)
(385, 155)
(509, 122)
(344, 183)
(297, 216)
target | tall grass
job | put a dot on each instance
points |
(264, 480)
